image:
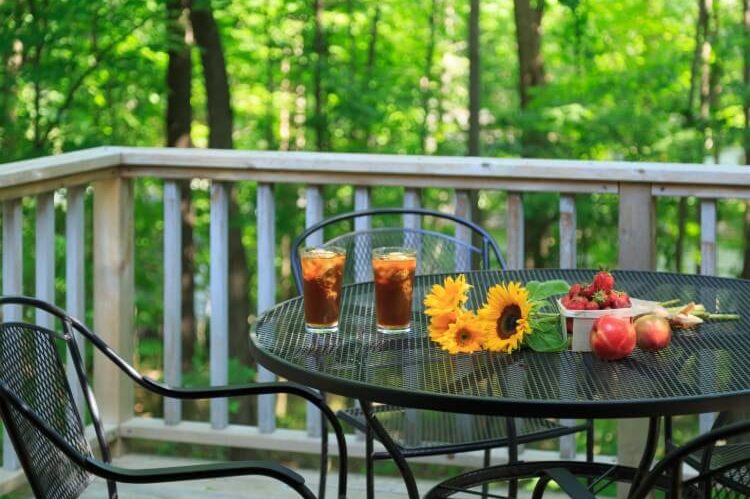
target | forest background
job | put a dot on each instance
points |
(635, 80)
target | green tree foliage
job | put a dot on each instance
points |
(391, 77)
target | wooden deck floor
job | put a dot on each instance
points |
(238, 488)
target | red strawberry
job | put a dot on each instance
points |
(577, 303)
(574, 290)
(604, 281)
(569, 325)
(600, 298)
(592, 305)
(587, 291)
(565, 300)
(621, 300)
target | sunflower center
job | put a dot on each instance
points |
(463, 336)
(506, 323)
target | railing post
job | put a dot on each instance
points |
(266, 292)
(567, 261)
(412, 199)
(515, 231)
(172, 297)
(462, 208)
(219, 347)
(637, 238)
(75, 277)
(361, 250)
(313, 215)
(708, 267)
(12, 285)
(113, 294)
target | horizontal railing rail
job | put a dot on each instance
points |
(110, 171)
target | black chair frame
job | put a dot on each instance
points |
(112, 474)
(666, 475)
(489, 245)
(489, 248)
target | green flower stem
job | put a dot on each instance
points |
(670, 302)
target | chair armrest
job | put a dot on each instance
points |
(194, 472)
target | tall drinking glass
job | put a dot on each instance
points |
(393, 270)
(322, 273)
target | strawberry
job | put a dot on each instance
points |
(565, 301)
(604, 281)
(587, 291)
(577, 303)
(574, 290)
(621, 300)
(600, 298)
(592, 305)
(569, 325)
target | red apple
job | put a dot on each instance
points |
(652, 332)
(612, 337)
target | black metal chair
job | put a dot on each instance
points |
(46, 428)
(437, 252)
(722, 467)
(734, 484)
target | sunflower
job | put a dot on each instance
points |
(465, 335)
(439, 323)
(506, 317)
(449, 297)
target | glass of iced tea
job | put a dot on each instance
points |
(322, 273)
(393, 272)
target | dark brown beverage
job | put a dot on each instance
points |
(393, 272)
(322, 273)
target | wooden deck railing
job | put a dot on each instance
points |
(109, 172)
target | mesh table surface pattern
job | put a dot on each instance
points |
(707, 365)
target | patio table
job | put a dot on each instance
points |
(703, 370)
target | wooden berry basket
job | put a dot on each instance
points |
(583, 320)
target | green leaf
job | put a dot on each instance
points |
(547, 337)
(542, 290)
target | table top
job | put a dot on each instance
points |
(704, 369)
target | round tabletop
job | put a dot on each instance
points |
(704, 369)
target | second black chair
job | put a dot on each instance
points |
(422, 432)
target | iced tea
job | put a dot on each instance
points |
(393, 272)
(322, 273)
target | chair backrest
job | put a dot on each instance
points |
(437, 251)
(32, 373)
(724, 469)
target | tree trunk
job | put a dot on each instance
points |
(178, 124)
(474, 79)
(320, 48)
(208, 39)
(426, 84)
(528, 20)
(700, 33)
(220, 122)
(529, 42)
(372, 53)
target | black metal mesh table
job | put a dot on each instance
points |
(703, 369)
(706, 369)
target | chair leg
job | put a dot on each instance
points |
(512, 455)
(323, 456)
(486, 485)
(369, 462)
(590, 441)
